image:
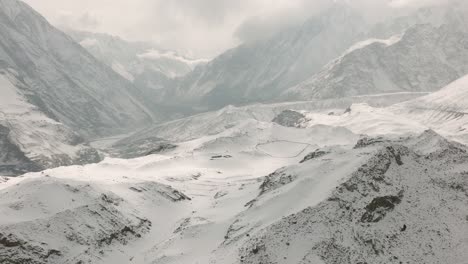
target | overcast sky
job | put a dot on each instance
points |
(198, 28)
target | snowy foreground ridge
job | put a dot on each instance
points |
(259, 184)
(378, 201)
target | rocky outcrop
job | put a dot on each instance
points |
(132, 148)
(289, 118)
(405, 204)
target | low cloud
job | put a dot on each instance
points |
(198, 28)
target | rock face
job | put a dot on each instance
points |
(408, 199)
(62, 79)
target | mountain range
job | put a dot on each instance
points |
(340, 140)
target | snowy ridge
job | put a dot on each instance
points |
(294, 65)
(134, 57)
(398, 64)
(376, 214)
(443, 111)
(210, 175)
(360, 45)
(215, 122)
(220, 198)
(258, 72)
(151, 70)
(240, 188)
(155, 55)
(86, 220)
(371, 168)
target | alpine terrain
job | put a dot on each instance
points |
(339, 140)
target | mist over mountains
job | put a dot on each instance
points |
(340, 137)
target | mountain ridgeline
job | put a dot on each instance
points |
(335, 54)
(63, 79)
(336, 141)
(92, 85)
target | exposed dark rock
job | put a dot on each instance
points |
(129, 148)
(13, 161)
(379, 207)
(275, 180)
(367, 141)
(289, 118)
(314, 155)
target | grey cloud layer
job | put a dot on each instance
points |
(202, 28)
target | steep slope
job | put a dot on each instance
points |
(63, 79)
(150, 69)
(259, 71)
(406, 199)
(445, 111)
(425, 58)
(31, 141)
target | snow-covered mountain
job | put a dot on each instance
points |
(62, 79)
(387, 204)
(240, 188)
(424, 58)
(134, 60)
(150, 69)
(111, 212)
(378, 175)
(443, 111)
(160, 135)
(248, 197)
(262, 71)
(259, 71)
(29, 139)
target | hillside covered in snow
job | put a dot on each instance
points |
(62, 79)
(324, 59)
(248, 197)
(399, 64)
(333, 142)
